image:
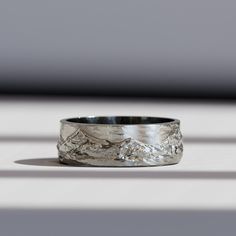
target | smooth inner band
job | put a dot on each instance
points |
(120, 120)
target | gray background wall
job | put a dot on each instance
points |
(122, 47)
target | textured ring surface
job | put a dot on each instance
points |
(120, 141)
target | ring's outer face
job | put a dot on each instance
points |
(120, 141)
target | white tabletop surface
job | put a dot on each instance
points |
(195, 196)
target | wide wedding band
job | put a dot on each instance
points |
(120, 141)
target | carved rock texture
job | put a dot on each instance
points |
(120, 145)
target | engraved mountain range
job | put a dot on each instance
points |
(82, 147)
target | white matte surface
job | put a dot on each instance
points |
(30, 177)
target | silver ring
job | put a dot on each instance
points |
(120, 141)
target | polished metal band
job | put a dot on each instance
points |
(120, 141)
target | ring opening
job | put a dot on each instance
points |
(120, 120)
